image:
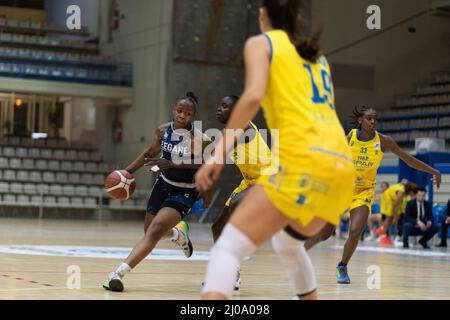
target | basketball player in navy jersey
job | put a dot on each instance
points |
(173, 193)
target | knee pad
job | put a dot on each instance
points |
(295, 259)
(234, 242)
(226, 255)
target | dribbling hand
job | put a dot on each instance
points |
(162, 164)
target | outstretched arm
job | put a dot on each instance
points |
(388, 144)
(152, 151)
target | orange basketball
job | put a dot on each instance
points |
(120, 185)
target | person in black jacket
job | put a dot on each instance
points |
(444, 228)
(419, 220)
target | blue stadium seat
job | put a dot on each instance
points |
(439, 215)
(375, 208)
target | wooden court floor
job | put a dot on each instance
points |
(35, 257)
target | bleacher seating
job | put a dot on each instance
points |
(76, 59)
(61, 177)
(67, 74)
(37, 27)
(26, 51)
(55, 176)
(424, 113)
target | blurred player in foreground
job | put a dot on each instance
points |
(286, 74)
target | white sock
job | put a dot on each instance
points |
(123, 269)
(174, 236)
(238, 276)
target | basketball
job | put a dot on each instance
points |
(120, 185)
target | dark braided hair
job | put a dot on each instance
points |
(190, 96)
(285, 15)
(411, 187)
(358, 113)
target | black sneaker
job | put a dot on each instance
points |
(423, 244)
(113, 283)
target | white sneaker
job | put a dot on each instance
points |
(184, 242)
(398, 242)
(237, 284)
(114, 282)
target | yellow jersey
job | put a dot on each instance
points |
(367, 156)
(388, 197)
(314, 174)
(251, 158)
(299, 102)
(391, 192)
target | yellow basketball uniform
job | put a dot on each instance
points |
(250, 158)
(367, 156)
(388, 198)
(315, 176)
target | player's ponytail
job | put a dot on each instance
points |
(285, 15)
(411, 188)
(191, 96)
(309, 48)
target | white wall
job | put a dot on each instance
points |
(105, 117)
(143, 39)
(91, 120)
(80, 119)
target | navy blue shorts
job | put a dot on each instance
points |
(165, 195)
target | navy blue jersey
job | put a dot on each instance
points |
(175, 145)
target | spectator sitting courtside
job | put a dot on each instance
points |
(419, 220)
(444, 228)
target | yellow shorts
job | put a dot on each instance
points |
(363, 197)
(324, 192)
(242, 187)
(386, 205)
